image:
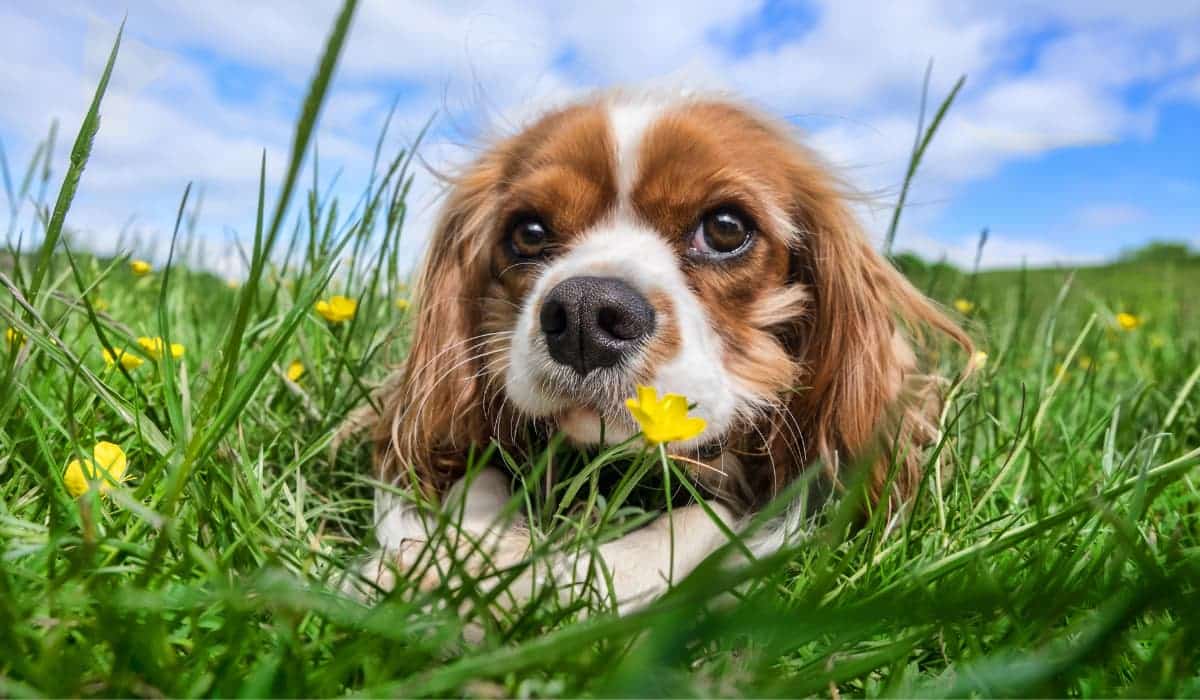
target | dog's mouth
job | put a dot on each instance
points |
(602, 391)
(591, 411)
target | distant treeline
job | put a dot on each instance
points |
(1159, 251)
(1152, 252)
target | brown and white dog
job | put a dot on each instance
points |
(685, 243)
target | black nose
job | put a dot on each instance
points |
(593, 322)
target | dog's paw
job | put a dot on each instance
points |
(450, 563)
(384, 569)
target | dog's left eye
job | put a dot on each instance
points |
(721, 233)
(529, 238)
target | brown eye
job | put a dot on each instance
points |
(529, 238)
(721, 233)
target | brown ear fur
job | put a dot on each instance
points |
(434, 412)
(861, 392)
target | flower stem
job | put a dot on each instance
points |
(662, 456)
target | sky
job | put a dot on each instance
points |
(1076, 136)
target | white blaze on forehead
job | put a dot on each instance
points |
(630, 119)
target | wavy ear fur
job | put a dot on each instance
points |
(434, 412)
(861, 391)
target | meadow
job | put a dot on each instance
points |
(1061, 556)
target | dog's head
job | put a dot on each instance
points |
(686, 244)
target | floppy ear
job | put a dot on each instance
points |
(433, 411)
(861, 394)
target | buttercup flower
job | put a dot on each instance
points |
(139, 268)
(13, 337)
(664, 420)
(337, 309)
(964, 306)
(295, 370)
(1127, 321)
(402, 304)
(154, 347)
(127, 359)
(106, 465)
(979, 359)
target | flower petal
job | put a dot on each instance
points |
(110, 458)
(674, 406)
(691, 427)
(74, 479)
(639, 414)
(152, 346)
(647, 395)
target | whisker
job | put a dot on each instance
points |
(700, 464)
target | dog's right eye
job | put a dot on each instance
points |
(529, 238)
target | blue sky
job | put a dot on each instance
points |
(1077, 135)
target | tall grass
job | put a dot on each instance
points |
(1061, 558)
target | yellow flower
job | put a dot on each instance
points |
(14, 337)
(663, 421)
(128, 360)
(337, 309)
(106, 465)
(100, 304)
(154, 347)
(979, 359)
(964, 307)
(295, 370)
(402, 304)
(1127, 321)
(139, 267)
(232, 283)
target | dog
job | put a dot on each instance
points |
(683, 242)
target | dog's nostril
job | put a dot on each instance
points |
(619, 324)
(553, 317)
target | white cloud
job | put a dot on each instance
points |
(1141, 15)
(862, 59)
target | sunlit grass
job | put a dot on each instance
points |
(1060, 556)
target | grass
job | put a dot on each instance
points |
(1062, 557)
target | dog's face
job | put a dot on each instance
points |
(689, 245)
(642, 244)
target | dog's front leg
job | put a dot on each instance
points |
(644, 564)
(630, 571)
(472, 531)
